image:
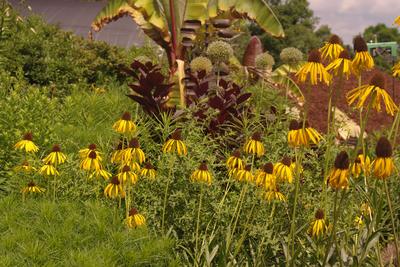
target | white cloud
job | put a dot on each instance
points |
(347, 18)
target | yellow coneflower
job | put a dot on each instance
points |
(114, 189)
(25, 167)
(396, 70)
(274, 194)
(331, 50)
(125, 125)
(361, 164)
(362, 59)
(55, 157)
(232, 173)
(314, 69)
(202, 174)
(296, 166)
(265, 177)
(282, 170)
(318, 226)
(148, 171)
(397, 21)
(32, 188)
(27, 144)
(175, 143)
(244, 174)
(84, 153)
(132, 164)
(312, 135)
(338, 178)
(366, 210)
(254, 145)
(91, 162)
(49, 170)
(116, 156)
(341, 65)
(135, 219)
(358, 221)
(296, 137)
(235, 161)
(376, 92)
(133, 152)
(127, 175)
(101, 173)
(383, 165)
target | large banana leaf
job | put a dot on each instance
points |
(154, 16)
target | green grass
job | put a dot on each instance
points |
(38, 232)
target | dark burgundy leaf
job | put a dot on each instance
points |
(216, 102)
(243, 98)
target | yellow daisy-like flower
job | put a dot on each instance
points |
(282, 170)
(132, 164)
(175, 143)
(125, 125)
(296, 136)
(362, 59)
(244, 174)
(265, 177)
(84, 153)
(133, 152)
(127, 175)
(366, 210)
(232, 173)
(362, 164)
(135, 219)
(396, 70)
(91, 162)
(397, 21)
(27, 144)
(25, 167)
(376, 92)
(331, 50)
(383, 165)
(358, 221)
(202, 174)
(32, 188)
(341, 65)
(114, 189)
(294, 165)
(314, 70)
(55, 157)
(312, 135)
(274, 194)
(48, 170)
(254, 145)
(339, 176)
(318, 227)
(101, 173)
(148, 171)
(235, 161)
(116, 156)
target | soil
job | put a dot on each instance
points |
(319, 96)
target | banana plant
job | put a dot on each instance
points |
(172, 22)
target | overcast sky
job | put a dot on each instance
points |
(347, 18)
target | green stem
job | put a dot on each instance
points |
(296, 195)
(396, 242)
(333, 229)
(166, 194)
(198, 224)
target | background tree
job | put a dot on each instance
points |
(299, 23)
(382, 33)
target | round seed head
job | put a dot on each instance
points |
(92, 147)
(201, 63)
(359, 44)
(342, 161)
(92, 155)
(294, 125)
(291, 55)
(286, 161)
(126, 116)
(56, 148)
(133, 212)
(28, 136)
(378, 80)
(256, 136)
(344, 54)
(319, 214)
(383, 148)
(334, 39)
(268, 168)
(314, 56)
